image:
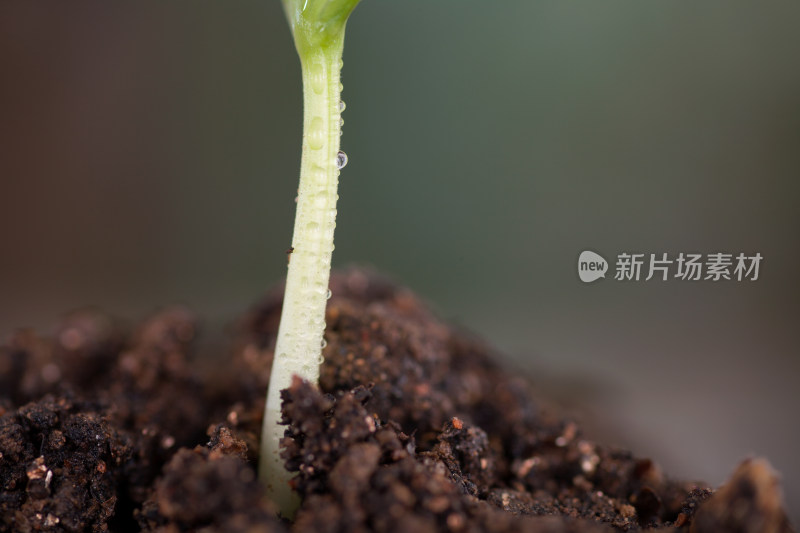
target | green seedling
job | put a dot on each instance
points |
(318, 30)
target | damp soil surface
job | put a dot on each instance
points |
(415, 427)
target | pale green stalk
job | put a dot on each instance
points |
(318, 29)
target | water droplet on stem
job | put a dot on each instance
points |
(341, 160)
(316, 135)
(317, 78)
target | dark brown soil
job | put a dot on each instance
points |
(415, 428)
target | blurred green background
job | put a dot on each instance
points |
(149, 155)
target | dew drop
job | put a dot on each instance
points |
(317, 78)
(341, 160)
(341, 87)
(341, 123)
(313, 228)
(321, 360)
(342, 106)
(316, 136)
(330, 293)
(319, 173)
(323, 343)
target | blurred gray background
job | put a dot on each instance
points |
(149, 155)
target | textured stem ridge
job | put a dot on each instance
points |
(300, 335)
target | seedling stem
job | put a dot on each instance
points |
(318, 30)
